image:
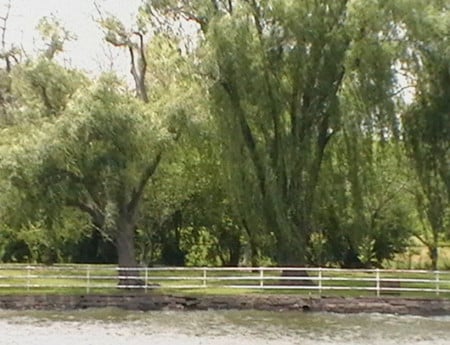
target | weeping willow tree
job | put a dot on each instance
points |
(427, 123)
(286, 77)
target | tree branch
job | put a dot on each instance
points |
(3, 28)
(95, 203)
(139, 191)
(142, 65)
(5, 21)
(249, 140)
(181, 12)
(230, 6)
(96, 216)
(133, 69)
(46, 99)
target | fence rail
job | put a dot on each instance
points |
(321, 281)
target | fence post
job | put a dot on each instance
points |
(437, 282)
(378, 281)
(146, 279)
(320, 281)
(88, 278)
(28, 277)
(261, 277)
(204, 277)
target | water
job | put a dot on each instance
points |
(117, 327)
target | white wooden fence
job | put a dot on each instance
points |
(321, 281)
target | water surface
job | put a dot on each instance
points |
(118, 327)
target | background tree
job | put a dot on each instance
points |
(277, 96)
(108, 150)
(427, 129)
(365, 209)
(286, 80)
(426, 120)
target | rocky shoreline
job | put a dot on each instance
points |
(276, 303)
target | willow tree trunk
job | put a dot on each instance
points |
(434, 255)
(129, 275)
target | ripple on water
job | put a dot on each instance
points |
(113, 326)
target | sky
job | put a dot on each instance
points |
(89, 51)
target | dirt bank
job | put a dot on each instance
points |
(391, 305)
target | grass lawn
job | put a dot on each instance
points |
(417, 257)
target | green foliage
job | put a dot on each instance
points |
(199, 245)
(54, 35)
(427, 124)
(43, 88)
(282, 134)
(365, 205)
(12, 249)
(285, 73)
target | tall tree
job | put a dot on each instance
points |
(277, 72)
(426, 119)
(98, 158)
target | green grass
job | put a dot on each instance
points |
(417, 257)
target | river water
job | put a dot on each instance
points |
(118, 327)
